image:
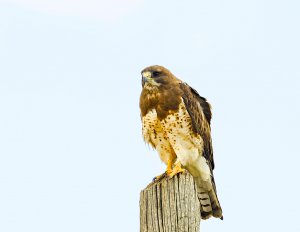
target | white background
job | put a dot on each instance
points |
(72, 156)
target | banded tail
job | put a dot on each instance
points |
(209, 203)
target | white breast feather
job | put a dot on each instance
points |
(175, 134)
(155, 135)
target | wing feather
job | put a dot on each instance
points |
(200, 112)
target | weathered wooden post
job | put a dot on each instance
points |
(170, 205)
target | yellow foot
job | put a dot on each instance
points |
(177, 169)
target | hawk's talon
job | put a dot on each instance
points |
(177, 169)
(166, 173)
(159, 177)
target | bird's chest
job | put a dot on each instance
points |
(163, 102)
(177, 123)
(160, 131)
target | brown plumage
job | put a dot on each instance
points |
(176, 122)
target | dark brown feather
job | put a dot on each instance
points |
(200, 113)
(204, 104)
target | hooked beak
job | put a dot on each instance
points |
(146, 76)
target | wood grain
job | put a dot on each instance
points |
(170, 205)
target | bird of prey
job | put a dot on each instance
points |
(176, 122)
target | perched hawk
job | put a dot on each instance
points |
(176, 122)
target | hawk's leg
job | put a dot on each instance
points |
(177, 169)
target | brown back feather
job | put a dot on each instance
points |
(200, 113)
(204, 105)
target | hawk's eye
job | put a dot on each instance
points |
(156, 74)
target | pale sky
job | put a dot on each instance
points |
(72, 157)
(92, 9)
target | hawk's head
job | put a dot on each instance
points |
(156, 76)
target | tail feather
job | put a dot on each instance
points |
(209, 203)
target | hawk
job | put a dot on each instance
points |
(176, 123)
